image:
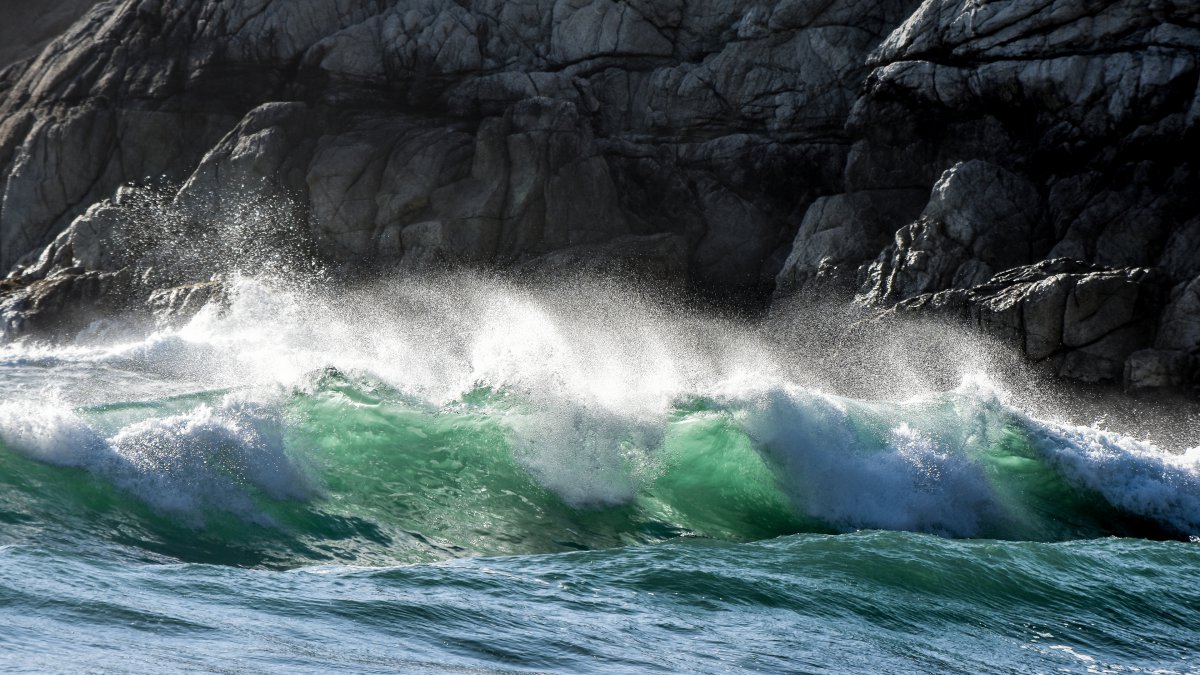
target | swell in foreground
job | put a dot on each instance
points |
(295, 429)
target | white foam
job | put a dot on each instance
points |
(212, 458)
(921, 465)
(588, 457)
(894, 476)
(49, 432)
(1132, 475)
(599, 371)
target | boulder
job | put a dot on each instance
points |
(1159, 369)
(981, 219)
(66, 302)
(843, 231)
(1083, 320)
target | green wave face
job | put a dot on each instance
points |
(424, 421)
(346, 469)
(384, 479)
(460, 479)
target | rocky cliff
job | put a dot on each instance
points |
(1029, 166)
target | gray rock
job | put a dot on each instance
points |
(1159, 369)
(65, 303)
(26, 26)
(750, 146)
(111, 235)
(1043, 313)
(1091, 105)
(1092, 112)
(1179, 328)
(264, 155)
(178, 304)
(517, 117)
(1084, 320)
(845, 231)
(980, 219)
(1181, 255)
(1119, 222)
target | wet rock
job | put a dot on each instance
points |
(66, 302)
(843, 231)
(178, 304)
(980, 219)
(928, 153)
(1159, 369)
(518, 125)
(1044, 130)
(264, 155)
(1084, 320)
(1180, 325)
(27, 25)
(99, 239)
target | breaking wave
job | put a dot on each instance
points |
(290, 428)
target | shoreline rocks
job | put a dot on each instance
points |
(1085, 322)
(1028, 166)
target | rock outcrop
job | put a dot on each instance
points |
(500, 131)
(26, 27)
(1083, 320)
(67, 302)
(913, 154)
(1044, 129)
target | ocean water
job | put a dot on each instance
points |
(471, 476)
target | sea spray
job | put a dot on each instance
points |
(400, 476)
(211, 458)
(517, 436)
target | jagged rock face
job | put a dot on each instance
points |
(914, 152)
(179, 303)
(1084, 320)
(1160, 369)
(840, 231)
(1095, 105)
(1180, 328)
(1044, 129)
(520, 128)
(67, 301)
(26, 27)
(980, 219)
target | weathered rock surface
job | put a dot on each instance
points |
(840, 231)
(67, 301)
(1047, 129)
(1084, 320)
(521, 127)
(924, 154)
(1180, 327)
(26, 27)
(1160, 369)
(179, 303)
(980, 219)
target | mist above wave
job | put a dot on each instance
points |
(592, 411)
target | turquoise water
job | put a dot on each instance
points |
(480, 478)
